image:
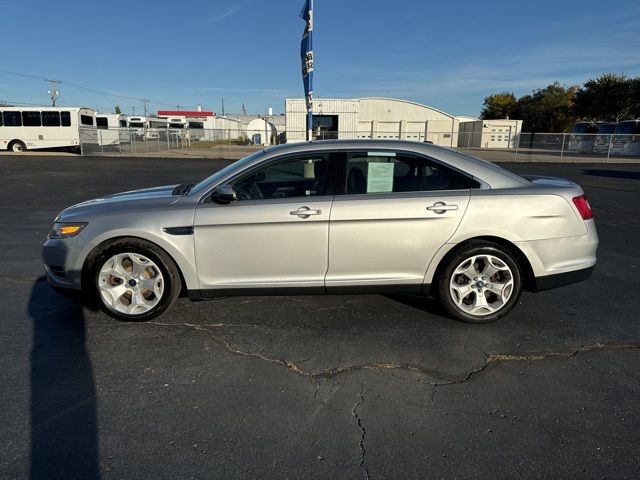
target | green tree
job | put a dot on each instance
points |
(499, 105)
(609, 97)
(117, 110)
(549, 109)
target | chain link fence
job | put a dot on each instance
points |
(493, 146)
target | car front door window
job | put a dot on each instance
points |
(299, 177)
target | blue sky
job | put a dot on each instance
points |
(449, 55)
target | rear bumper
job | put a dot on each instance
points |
(548, 282)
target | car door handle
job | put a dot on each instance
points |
(305, 212)
(441, 207)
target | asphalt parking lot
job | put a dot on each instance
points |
(313, 387)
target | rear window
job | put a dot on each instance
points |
(102, 122)
(86, 119)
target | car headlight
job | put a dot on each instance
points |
(65, 230)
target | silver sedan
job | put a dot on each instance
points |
(335, 217)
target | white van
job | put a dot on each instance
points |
(626, 138)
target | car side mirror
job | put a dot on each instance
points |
(224, 195)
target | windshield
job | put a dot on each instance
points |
(584, 128)
(628, 128)
(607, 128)
(204, 184)
(136, 124)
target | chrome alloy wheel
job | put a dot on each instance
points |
(481, 285)
(130, 283)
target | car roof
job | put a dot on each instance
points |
(491, 174)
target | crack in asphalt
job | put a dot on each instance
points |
(363, 450)
(22, 279)
(491, 359)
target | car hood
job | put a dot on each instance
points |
(148, 198)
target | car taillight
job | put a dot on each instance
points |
(582, 204)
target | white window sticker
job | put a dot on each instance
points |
(381, 154)
(380, 177)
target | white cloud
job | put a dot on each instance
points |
(227, 13)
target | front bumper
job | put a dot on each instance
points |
(63, 260)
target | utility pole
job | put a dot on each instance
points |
(223, 107)
(178, 107)
(146, 103)
(53, 91)
(133, 110)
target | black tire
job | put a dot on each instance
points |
(17, 144)
(168, 268)
(468, 250)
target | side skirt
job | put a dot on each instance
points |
(411, 289)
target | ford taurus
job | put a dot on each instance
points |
(334, 217)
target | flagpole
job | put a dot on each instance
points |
(306, 57)
(310, 104)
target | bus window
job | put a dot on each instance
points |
(65, 119)
(86, 119)
(50, 119)
(31, 119)
(123, 123)
(12, 119)
(102, 123)
(0, 119)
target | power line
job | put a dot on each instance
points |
(88, 89)
(7, 103)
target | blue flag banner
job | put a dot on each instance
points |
(306, 56)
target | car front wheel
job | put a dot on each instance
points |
(480, 283)
(135, 280)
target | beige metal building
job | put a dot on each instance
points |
(372, 118)
(490, 133)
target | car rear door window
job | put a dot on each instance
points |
(390, 172)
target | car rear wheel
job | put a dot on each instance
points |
(135, 280)
(480, 283)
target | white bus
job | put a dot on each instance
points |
(30, 128)
(147, 128)
(112, 129)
